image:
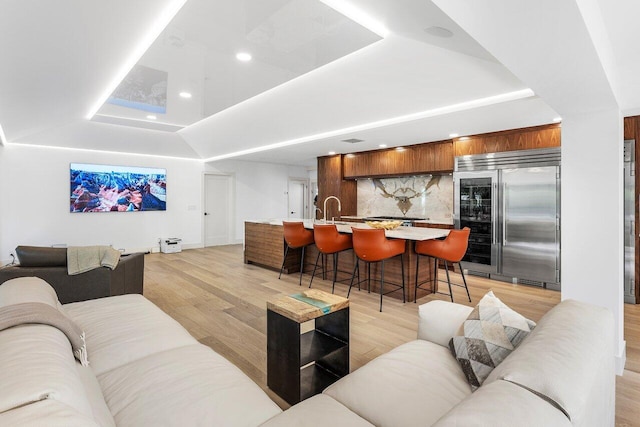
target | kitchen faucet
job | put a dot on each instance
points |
(325, 206)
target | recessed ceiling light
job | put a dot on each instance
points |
(453, 135)
(400, 148)
(438, 32)
(557, 119)
(243, 56)
(331, 153)
(464, 138)
(151, 117)
(382, 145)
(186, 95)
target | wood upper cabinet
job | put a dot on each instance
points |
(415, 159)
(332, 183)
(511, 140)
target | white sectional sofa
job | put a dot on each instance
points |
(562, 374)
(144, 370)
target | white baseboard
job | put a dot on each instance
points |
(621, 358)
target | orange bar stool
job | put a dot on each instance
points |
(450, 250)
(330, 242)
(296, 236)
(371, 245)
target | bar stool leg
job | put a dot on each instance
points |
(446, 268)
(369, 276)
(314, 268)
(335, 271)
(301, 266)
(464, 281)
(286, 251)
(356, 267)
(415, 289)
(402, 269)
(381, 284)
(434, 282)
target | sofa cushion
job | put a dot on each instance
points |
(500, 404)
(413, 384)
(40, 256)
(317, 411)
(569, 359)
(185, 386)
(27, 289)
(440, 320)
(490, 333)
(125, 328)
(37, 364)
(101, 413)
(56, 414)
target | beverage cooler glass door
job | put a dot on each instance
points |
(475, 205)
(530, 223)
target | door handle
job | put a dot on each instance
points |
(504, 214)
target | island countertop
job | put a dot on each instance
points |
(407, 233)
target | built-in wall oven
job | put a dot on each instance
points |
(511, 202)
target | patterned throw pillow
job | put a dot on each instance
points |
(490, 333)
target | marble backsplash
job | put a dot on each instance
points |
(424, 196)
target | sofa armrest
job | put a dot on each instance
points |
(440, 320)
(130, 279)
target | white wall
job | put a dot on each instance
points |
(34, 182)
(592, 214)
(261, 189)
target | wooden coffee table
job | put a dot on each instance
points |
(302, 365)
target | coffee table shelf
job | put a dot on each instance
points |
(302, 365)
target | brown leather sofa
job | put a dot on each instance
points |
(50, 264)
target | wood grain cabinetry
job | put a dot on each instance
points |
(331, 182)
(264, 245)
(509, 140)
(414, 159)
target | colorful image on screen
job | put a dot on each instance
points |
(104, 188)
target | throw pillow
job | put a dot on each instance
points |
(490, 333)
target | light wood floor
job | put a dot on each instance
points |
(222, 302)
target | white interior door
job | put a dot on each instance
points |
(218, 223)
(297, 197)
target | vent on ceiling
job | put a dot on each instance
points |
(352, 140)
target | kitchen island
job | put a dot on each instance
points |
(264, 245)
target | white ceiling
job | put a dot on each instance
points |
(59, 56)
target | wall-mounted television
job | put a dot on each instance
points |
(105, 188)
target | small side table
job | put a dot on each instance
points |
(300, 366)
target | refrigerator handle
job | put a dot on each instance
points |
(494, 198)
(504, 214)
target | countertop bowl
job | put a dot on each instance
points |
(387, 225)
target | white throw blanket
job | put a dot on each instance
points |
(44, 314)
(85, 258)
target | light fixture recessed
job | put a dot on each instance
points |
(464, 138)
(557, 119)
(400, 148)
(185, 95)
(382, 145)
(331, 153)
(151, 117)
(439, 32)
(453, 135)
(243, 56)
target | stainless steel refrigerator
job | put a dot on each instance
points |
(629, 221)
(511, 202)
